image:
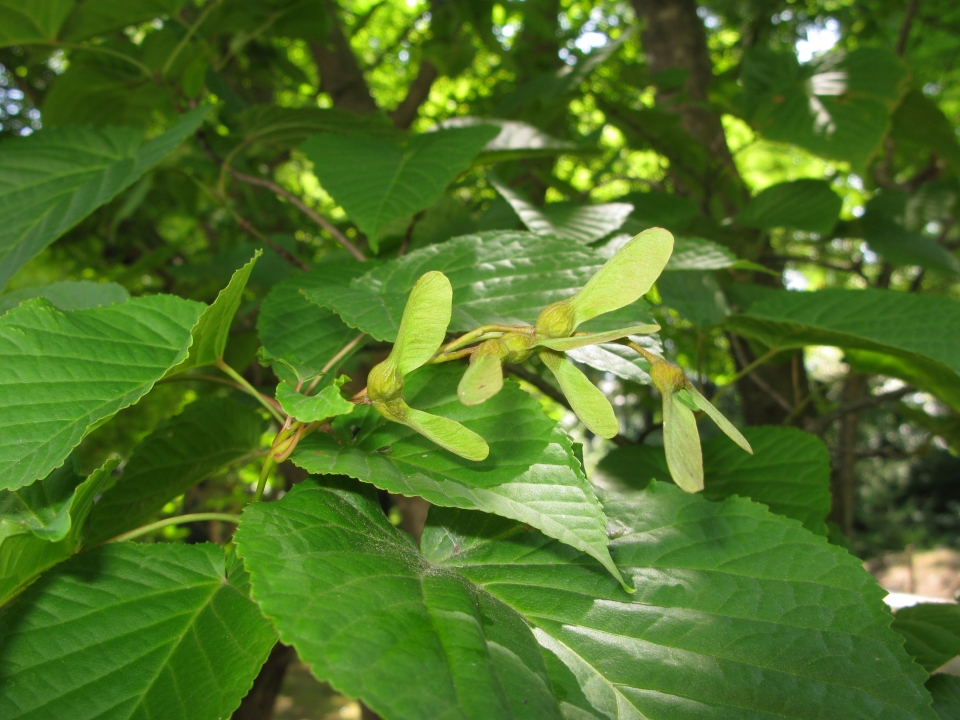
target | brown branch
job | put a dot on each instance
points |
(340, 74)
(417, 94)
(277, 248)
(302, 207)
(905, 28)
(861, 404)
(757, 380)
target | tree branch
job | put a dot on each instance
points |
(340, 74)
(302, 207)
(417, 94)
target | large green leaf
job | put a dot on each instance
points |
(42, 524)
(497, 277)
(695, 295)
(370, 616)
(932, 631)
(739, 613)
(789, 472)
(97, 17)
(209, 434)
(32, 21)
(569, 221)
(918, 121)
(271, 129)
(299, 334)
(887, 230)
(531, 474)
(378, 180)
(69, 295)
(54, 178)
(837, 106)
(133, 631)
(62, 372)
(907, 325)
(212, 330)
(945, 690)
(801, 204)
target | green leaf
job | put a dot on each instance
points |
(789, 472)
(837, 106)
(515, 140)
(310, 408)
(370, 616)
(699, 254)
(695, 295)
(932, 631)
(213, 328)
(134, 631)
(497, 278)
(272, 129)
(69, 295)
(423, 324)
(54, 178)
(300, 333)
(810, 205)
(98, 17)
(659, 209)
(738, 613)
(209, 434)
(586, 400)
(681, 443)
(625, 277)
(569, 221)
(945, 690)
(531, 474)
(42, 524)
(885, 228)
(906, 325)
(377, 180)
(23, 22)
(918, 121)
(62, 372)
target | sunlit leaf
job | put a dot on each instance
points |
(310, 408)
(483, 378)
(424, 322)
(681, 441)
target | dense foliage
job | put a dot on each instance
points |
(390, 331)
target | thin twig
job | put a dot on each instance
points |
(862, 404)
(178, 520)
(275, 246)
(757, 380)
(905, 28)
(267, 402)
(302, 207)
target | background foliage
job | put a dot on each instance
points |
(202, 198)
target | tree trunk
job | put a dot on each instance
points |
(259, 702)
(843, 482)
(340, 73)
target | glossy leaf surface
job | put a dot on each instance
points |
(798, 630)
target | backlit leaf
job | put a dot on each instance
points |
(310, 408)
(54, 178)
(377, 180)
(62, 372)
(932, 631)
(586, 400)
(800, 204)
